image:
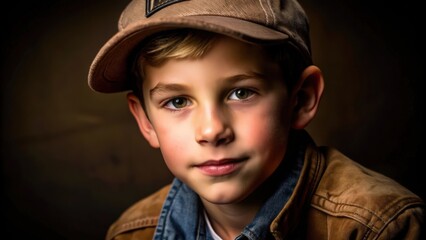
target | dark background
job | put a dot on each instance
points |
(72, 160)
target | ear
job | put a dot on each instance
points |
(307, 95)
(144, 123)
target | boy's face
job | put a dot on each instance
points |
(221, 121)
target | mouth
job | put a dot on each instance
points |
(221, 167)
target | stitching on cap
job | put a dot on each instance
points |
(264, 10)
(274, 19)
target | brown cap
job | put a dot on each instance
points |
(256, 21)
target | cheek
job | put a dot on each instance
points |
(268, 139)
(265, 128)
(174, 140)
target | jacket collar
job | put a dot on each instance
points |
(287, 221)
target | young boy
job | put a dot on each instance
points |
(225, 90)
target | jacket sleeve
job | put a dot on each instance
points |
(408, 224)
(139, 220)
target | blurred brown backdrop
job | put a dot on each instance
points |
(72, 159)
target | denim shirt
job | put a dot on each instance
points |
(182, 213)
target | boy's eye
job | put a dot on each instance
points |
(240, 94)
(176, 103)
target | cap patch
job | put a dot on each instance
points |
(154, 5)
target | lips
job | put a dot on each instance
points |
(220, 167)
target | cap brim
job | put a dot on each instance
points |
(110, 69)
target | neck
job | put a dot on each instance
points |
(229, 220)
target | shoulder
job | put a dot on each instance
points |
(142, 215)
(365, 198)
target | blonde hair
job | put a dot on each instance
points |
(181, 44)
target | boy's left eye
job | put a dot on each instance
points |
(177, 103)
(241, 94)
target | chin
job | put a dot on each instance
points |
(224, 197)
(221, 200)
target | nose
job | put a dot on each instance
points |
(213, 127)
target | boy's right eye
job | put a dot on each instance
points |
(177, 103)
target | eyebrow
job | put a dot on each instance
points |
(161, 87)
(173, 87)
(251, 75)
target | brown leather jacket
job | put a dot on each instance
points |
(335, 198)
